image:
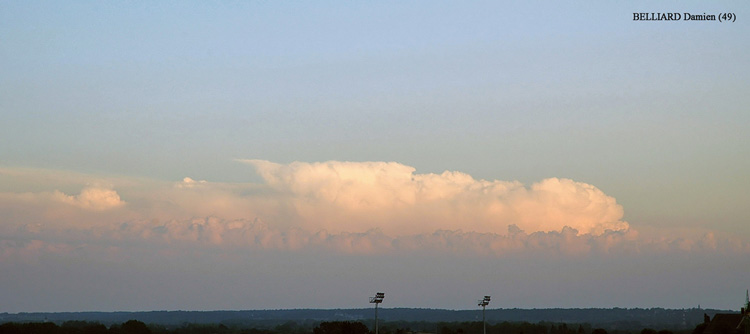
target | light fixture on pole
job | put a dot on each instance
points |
(377, 300)
(483, 303)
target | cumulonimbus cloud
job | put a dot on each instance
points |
(337, 197)
(356, 196)
(348, 207)
(355, 207)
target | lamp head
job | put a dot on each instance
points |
(378, 298)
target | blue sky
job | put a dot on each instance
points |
(107, 108)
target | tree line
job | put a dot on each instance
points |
(327, 327)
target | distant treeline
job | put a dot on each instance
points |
(610, 319)
(328, 327)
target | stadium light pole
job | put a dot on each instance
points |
(377, 300)
(483, 303)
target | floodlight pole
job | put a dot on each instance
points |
(484, 322)
(376, 318)
(377, 300)
(483, 303)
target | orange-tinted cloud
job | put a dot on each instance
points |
(347, 207)
(91, 198)
(357, 196)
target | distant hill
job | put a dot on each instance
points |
(613, 318)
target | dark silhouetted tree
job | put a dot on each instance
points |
(134, 327)
(257, 331)
(10, 328)
(83, 327)
(32, 328)
(700, 328)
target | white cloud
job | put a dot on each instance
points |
(357, 196)
(92, 198)
(347, 207)
(337, 197)
(190, 183)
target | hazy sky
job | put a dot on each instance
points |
(253, 155)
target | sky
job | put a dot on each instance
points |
(264, 155)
